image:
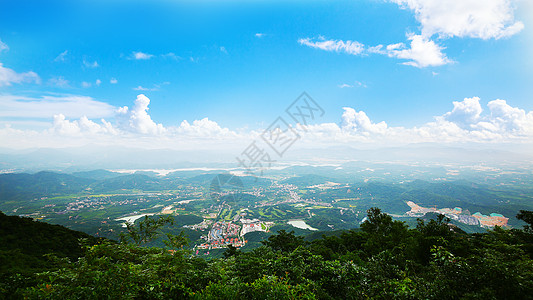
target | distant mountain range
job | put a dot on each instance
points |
(94, 157)
(17, 188)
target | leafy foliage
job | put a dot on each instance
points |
(383, 260)
(147, 231)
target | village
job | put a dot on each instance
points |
(222, 233)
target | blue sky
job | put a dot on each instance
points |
(241, 63)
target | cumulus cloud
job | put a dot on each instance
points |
(137, 119)
(350, 47)
(259, 35)
(86, 84)
(74, 124)
(467, 121)
(464, 18)
(9, 76)
(354, 126)
(63, 126)
(141, 55)
(487, 19)
(358, 122)
(506, 118)
(113, 81)
(422, 53)
(204, 128)
(465, 113)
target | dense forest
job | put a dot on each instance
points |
(383, 259)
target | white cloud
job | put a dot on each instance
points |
(465, 112)
(89, 64)
(141, 88)
(59, 82)
(62, 126)
(467, 121)
(259, 35)
(9, 76)
(141, 56)
(133, 126)
(483, 19)
(113, 81)
(172, 56)
(506, 118)
(3, 46)
(61, 57)
(223, 50)
(98, 82)
(350, 47)
(137, 119)
(204, 128)
(355, 84)
(361, 84)
(73, 106)
(155, 87)
(358, 122)
(422, 53)
(86, 84)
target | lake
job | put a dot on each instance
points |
(300, 224)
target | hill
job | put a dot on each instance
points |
(15, 186)
(383, 260)
(24, 244)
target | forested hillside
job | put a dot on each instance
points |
(24, 243)
(383, 260)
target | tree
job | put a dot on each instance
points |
(526, 216)
(284, 241)
(176, 241)
(382, 231)
(231, 251)
(377, 222)
(431, 234)
(147, 230)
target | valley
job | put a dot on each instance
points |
(220, 209)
